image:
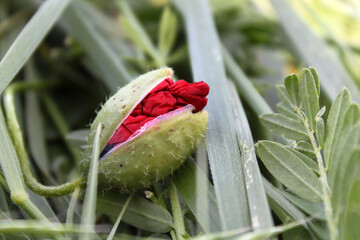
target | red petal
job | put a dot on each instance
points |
(165, 97)
(191, 93)
(158, 104)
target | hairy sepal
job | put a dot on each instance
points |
(155, 154)
(118, 107)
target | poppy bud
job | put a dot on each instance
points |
(151, 126)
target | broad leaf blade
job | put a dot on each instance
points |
(290, 170)
(284, 126)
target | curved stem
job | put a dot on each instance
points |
(324, 181)
(17, 138)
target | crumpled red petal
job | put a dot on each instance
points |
(165, 97)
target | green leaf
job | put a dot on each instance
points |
(320, 113)
(338, 172)
(194, 186)
(316, 79)
(312, 209)
(286, 110)
(167, 32)
(284, 96)
(305, 148)
(140, 212)
(308, 161)
(334, 122)
(290, 170)
(350, 218)
(29, 39)
(223, 150)
(284, 126)
(320, 131)
(292, 85)
(309, 97)
(286, 211)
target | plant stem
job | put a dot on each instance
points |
(177, 212)
(16, 135)
(324, 181)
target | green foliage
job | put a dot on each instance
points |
(78, 52)
(301, 120)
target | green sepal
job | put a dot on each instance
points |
(120, 105)
(155, 154)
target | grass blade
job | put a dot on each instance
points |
(79, 22)
(224, 155)
(116, 225)
(315, 52)
(258, 204)
(88, 217)
(29, 38)
(246, 88)
(207, 214)
(140, 213)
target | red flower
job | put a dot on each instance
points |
(165, 97)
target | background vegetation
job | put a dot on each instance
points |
(60, 59)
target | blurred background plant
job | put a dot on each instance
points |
(81, 52)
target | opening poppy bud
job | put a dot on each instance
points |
(152, 125)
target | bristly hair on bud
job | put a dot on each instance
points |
(152, 125)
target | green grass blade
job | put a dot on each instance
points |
(258, 204)
(207, 214)
(29, 38)
(88, 216)
(224, 155)
(116, 224)
(8, 160)
(315, 52)
(137, 33)
(244, 85)
(79, 22)
(140, 213)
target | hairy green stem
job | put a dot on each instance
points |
(177, 212)
(17, 138)
(326, 195)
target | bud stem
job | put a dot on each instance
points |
(16, 135)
